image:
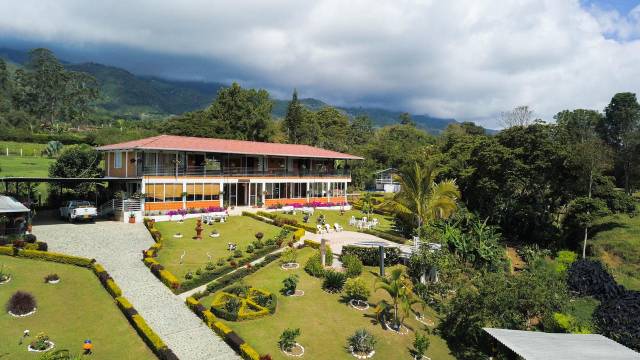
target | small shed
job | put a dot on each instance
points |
(13, 216)
(386, 181)
(536, 345)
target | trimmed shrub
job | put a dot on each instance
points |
(169, 280)
(619, 319)
(21, 302)
(313, 266)
(565, 259)
(288, 339)
(148, 335)
(29, 238)
(333, 281)
(126, 307)
(352, 265)
(248, 353)
(361, 342)
(289, 284)
(356, 289)
(289, 255)
(113, 288)
(590, 278)
(55, 257)
(370, 255)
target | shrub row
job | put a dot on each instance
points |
(47, 256)
(281, 221)
(106, 280)
(370, 255)
(230, 278)
(386, 236)
(227, 334)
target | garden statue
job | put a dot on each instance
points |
(199, 229)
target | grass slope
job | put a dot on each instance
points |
(239, 230)
(76, 309)
(324, 319)
(616, 241)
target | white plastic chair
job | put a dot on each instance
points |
(321, 230)
(328, 228)
(337, 227)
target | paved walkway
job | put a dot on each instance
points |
(343, 238)
(118, 247)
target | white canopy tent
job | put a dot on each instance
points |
(9, 205)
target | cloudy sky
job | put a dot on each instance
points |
(464, 59)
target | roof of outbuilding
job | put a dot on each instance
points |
(185, 143)
(11, 205)
(535, 345)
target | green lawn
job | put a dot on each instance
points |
(28, 149)
(27, 166)
(324, 319)
(616, 240)
(239, 230)
(333, 216)
(76, 309)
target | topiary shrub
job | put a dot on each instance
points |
(619, 319)
(21, 303)
(356, 289)
(250, 249)
(289, 285)
(313, 266)
(590, 278)
(333, 281)
(361, 342)
(288, 339)
(352, 265)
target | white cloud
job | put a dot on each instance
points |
(463, 59)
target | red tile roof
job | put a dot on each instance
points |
(185, 143)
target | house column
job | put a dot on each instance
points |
(143, 195)
(328, 190)
(262, 195)
(221, 194)
(345, 191)
(308, 191)
(126, 164)
(108, 163)
(184, 196)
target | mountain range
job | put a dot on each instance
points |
(133, 96)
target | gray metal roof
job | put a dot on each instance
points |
(11, 205)
(534, 345)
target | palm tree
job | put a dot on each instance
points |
(399, 288)
(422, 197)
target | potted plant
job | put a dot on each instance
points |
(420, 346)
(41, 343)
(289, 285)
(52, 279)
(132, 217)
(362, 344)
(288, 343)
(5, 276)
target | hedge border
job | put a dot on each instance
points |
(244, 349)
(150, 338)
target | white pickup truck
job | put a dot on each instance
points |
(78, 210)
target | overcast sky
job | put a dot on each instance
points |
(468, 60)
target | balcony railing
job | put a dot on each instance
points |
(238, 171)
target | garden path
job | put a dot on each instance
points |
(118, 247)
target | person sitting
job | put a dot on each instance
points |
(87, 347)
(305, 219)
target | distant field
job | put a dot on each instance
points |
(24, 166)
(617, 243)
(28, 149)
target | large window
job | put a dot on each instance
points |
(154, 193)
(173, 192)
(286, 190)
(198, 192)
(117, 160)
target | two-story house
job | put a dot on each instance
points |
(177, 172)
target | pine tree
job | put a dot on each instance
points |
(293, 120)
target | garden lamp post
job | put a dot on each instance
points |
(381, 251)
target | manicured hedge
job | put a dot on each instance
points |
(312, 244)
(370, 255)
(298, 234)
(386, 236)
(282, 221)
(245, 350)
(55, 257)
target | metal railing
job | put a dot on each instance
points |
(237, 171)
(118, 205)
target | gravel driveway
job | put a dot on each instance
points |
(118, 247)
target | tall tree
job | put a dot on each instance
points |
(334, 128)
(293, 119)
(361, 130)
(421, 196)
(243, 114)
(519, 116)
(405, 119)
(5, 88)
(588, 153)
(620, 129)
